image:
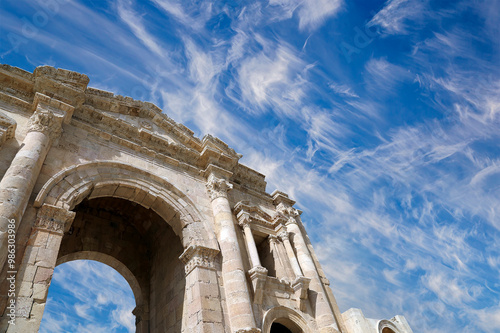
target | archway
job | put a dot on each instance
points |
(386, 326)
(71, 186)
(281, 319)
(138, 243)
(86, 295)
(137, 218)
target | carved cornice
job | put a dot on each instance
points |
(218, 187)
(64, 85)
(284, 208)
(254, 215)
(198, 256)
(54, 219)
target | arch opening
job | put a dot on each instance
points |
(387, 330)
(141, 246)
(279, 328)
(87, 295)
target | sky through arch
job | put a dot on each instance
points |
(88, 296)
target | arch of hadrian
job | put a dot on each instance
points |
(86, 174)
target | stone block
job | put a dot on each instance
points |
(40, 291)
(46, 258)
(43, 275)
(23, 306)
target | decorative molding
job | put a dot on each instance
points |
(54, 219)
(198, 256)
(59, 108)
(249, 330)
(254, 215)
(7, 128)
(300, 286)
(218, 187)
(284, 208)
(258, 276)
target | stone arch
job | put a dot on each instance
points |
(111, 262)
(70, 186)
(386, 326)
(286, 317)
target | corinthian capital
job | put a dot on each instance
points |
(218, 187)
(54, 219)
(198, 256)
(283, 235)
(46, 122)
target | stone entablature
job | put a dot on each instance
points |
(222, 254)
(136, 125)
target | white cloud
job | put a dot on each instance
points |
(383, 76)
(273, 78)
(134, 21)
(312, 13)
(394, 15)
(449, 290)
(343, 90)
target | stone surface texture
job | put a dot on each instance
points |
(86, 174)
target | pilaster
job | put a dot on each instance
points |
(202, 307)
(37, 267)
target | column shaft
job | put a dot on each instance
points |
(283, 258)
(252, 247)
(235, 284)
(291, 255)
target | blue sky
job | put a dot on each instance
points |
(381, 118)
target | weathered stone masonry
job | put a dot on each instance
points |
(87, 174)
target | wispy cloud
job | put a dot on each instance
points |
(134, 21)
(312, 14)
(394, 17)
